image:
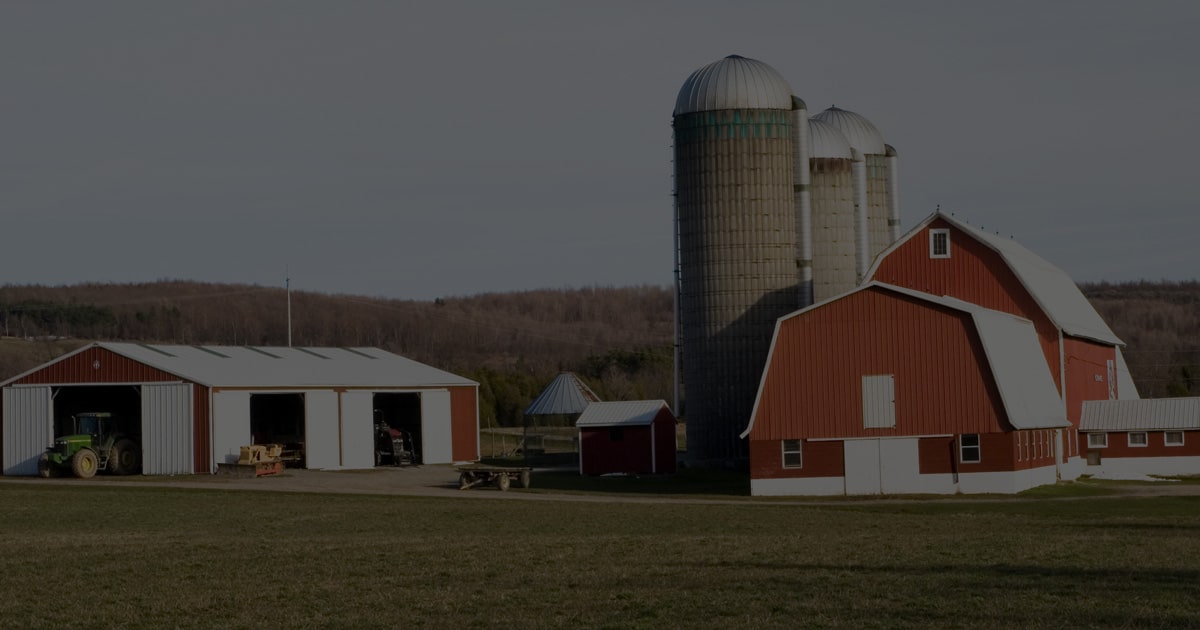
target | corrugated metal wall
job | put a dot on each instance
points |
(973, 273)
(436, 434)
(464, 409)
(879, 232)
(833, 227)
(96, 365)
(1087, 373)
(814, 385)
(167, 429)
(28, 427)
(737, 258)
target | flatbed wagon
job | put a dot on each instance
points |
(501, 476)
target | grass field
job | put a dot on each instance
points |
(75, 556)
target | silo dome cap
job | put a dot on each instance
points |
(734, 82)
(825, 141)
(859, 131)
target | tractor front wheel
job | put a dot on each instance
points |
(45, 468)
(84, 463)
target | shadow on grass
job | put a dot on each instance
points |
(690, 482)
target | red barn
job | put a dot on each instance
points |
(1132, 438)
(636, 436)
(889, 390)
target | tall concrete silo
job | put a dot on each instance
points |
(736, 246)
(874, 166)
(833, 219)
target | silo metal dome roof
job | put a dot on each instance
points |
(825, 141)
(733, 83)
(859, 131)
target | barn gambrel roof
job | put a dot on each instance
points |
(1014, 356)
(263, 366)
(1053, 290)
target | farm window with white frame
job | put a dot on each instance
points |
(1138, 439)
(1173, 438)
(792, 457)
(939, 243)
(968, 449)
(1097, 440)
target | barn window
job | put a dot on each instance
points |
(1138, 438)
(939, 243)
(968, 449)
(1173, 438)
(791, 454)
(616, 434)
(1097, 440)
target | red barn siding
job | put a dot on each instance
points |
(201, 434)
(1086, 360)
(936, 455)
(664, 441)
(600, 455)
(113, 368)
(974, 273)
(813, 387)
(820, 459)
(1118, 445)
(464, 423)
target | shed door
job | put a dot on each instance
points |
(436, 434)
(862, 466)
(231, 425)
(167, 435)
(899, 466)
(358, 429)
(28, 427)
(322, 438)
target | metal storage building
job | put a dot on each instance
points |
(197, 405)
(635, 436)
(1126, 438)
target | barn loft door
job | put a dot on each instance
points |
(879, 402)
(28, 427)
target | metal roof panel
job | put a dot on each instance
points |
(627, 413)
(1146, 414)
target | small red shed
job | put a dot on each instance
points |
(634, 436)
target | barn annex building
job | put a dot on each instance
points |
(196, 406)
(961, 365)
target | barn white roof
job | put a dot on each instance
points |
(1051, 287)
(261, 366)
(624, 413)
(1147, 414)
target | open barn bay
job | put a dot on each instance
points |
(168, 557)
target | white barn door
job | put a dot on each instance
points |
(358, 429)
(28, 427)
(322, 440)
(862, 466)
(167, 435)
(436, 435)
(231, 425)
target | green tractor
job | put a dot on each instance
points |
(95, 444)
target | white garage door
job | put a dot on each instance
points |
(888, 466)
(231, 425)
(322, 443)
(436, 436)
(862, 466)
(358, 429)
(28, 427)
(167, 436)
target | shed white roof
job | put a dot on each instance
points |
(1051, 287)
(566, 394)
(734, 82)
(257, 366)
(625, 413)
(1146, 414)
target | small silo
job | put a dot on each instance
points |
(833, 222)
(874, 165)
(736, 247)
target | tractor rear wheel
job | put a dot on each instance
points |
(502, 481)
(45, 468)
(84, 463)
(124, 458)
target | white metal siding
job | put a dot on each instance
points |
(231, 425)
(167, 429)
(879, 402)
(358, 429)
(322, 446)
(436, 440)
(899, 466)
(28, 427)
(862, 466)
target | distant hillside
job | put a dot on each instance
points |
(619, 339)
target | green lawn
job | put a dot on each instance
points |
(77, 556)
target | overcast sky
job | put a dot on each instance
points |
(451, 148)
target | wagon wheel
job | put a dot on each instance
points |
(465, 480)
(84, 463)
(526, 478)
(44, 467)
(502, 481)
